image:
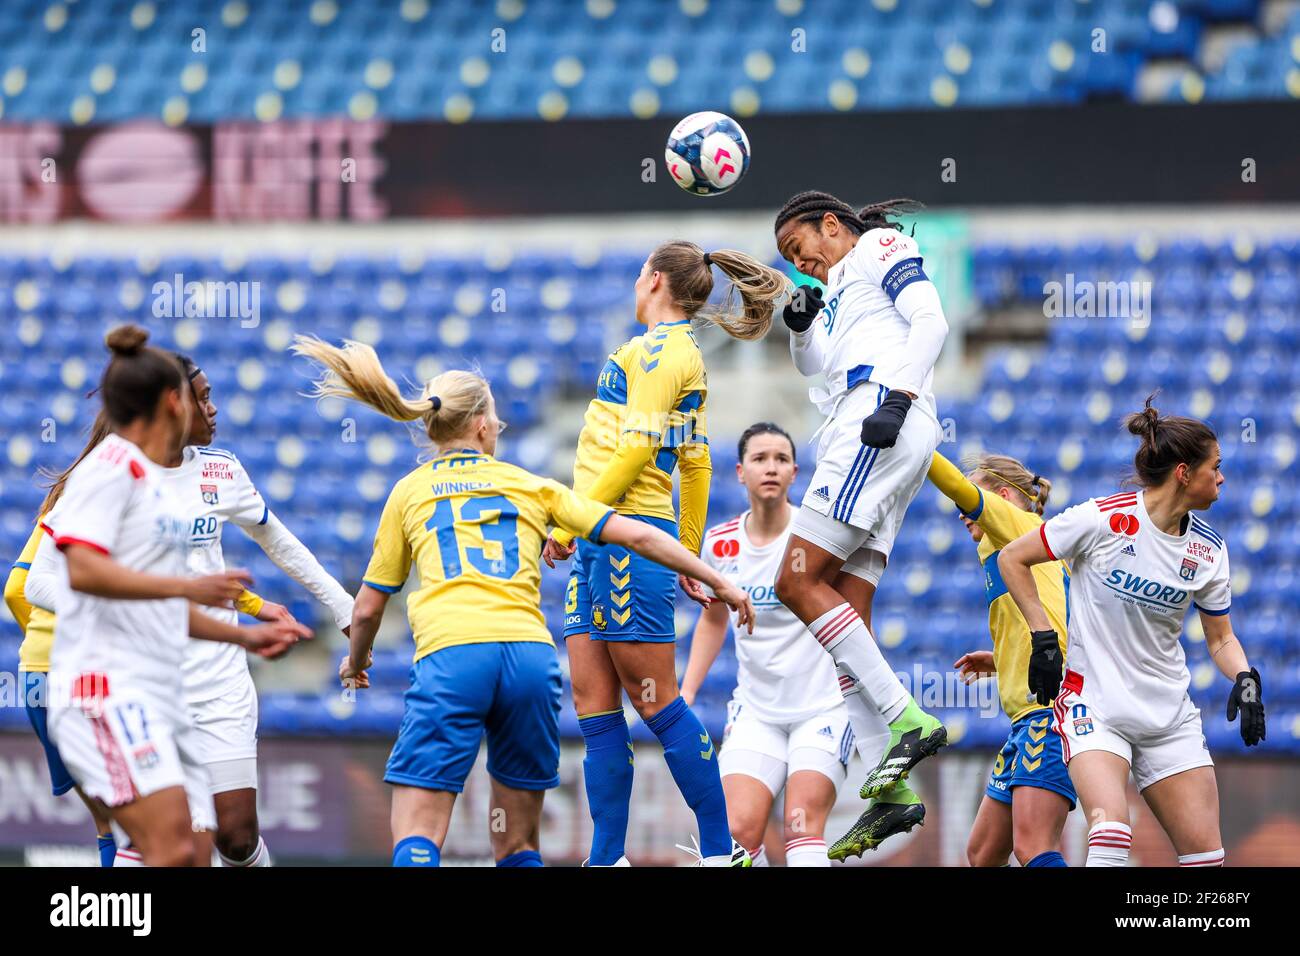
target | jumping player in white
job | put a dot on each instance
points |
(875, 338)
(213, 488)
(787, 725)
(1138, 561)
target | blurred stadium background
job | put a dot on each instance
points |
(476, 182)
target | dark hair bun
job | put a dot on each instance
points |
(1144, 423)
(126, 340)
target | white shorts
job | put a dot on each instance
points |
(226, 730)
(865, 490)
(135, 746)
(1151, 757)
(774, 752)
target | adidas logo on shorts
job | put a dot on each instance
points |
(823, 493)
(1128, 549)
(826, 732)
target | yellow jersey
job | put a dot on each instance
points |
(651, 397)
(1002, 522)
(37, 623)
(474, 528)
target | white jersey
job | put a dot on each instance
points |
(860, 334)
(213, 488)
(115, 502)
(1131, 586)
(784, 676)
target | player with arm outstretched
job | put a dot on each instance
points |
(484, 659)
(1029, 793)
(214, 489)
(875, 339)
(1139, 561)
(646, 421)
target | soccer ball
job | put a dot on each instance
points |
(707, 153)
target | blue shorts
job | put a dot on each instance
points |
(510, 691)
(1031, 757)
(617, 595)
(35, 687)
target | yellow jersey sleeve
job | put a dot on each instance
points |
(578, 515)
(16, 583)
(998, 518)
(696, 465)
(945, 476)
(249, 603)
(390, 562)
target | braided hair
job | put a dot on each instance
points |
(811, 205)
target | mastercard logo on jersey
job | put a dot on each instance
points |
(726, 548)
(1124, 523)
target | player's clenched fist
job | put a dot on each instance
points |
(802, 308)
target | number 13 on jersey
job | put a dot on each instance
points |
(495, 517)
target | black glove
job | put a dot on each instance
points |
(801, 319)
(1045, 666)
(1248, 697)
(880, 428)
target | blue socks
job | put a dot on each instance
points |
(1050, 858)
(416, 851)
(694, 765)
(607, 774)
(522, 858)
(107, 849)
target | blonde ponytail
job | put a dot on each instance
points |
(447, 406)
(690, 283)
(759, 288)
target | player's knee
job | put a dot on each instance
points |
(983, 852)
(173, 852)
(1026, 848)
(508, 844)
(788, 590)
(647, 705)
(1029, 842)
(238, 843)
(747, 830)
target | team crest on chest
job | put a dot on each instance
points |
(209, 494)
(1188, 570)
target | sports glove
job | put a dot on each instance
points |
(1045, 666)
(801, 319)
(1248, 697)
(880, 428)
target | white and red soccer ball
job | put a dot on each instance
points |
(707, 153)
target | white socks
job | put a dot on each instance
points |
(1109, 844)
(759, 856)
(261, 857)
(1212, 858)
(843, 635)
(806, 851)
(127, 857)
(870, 732)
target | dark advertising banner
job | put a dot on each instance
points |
(343, 170)
(324, 801)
